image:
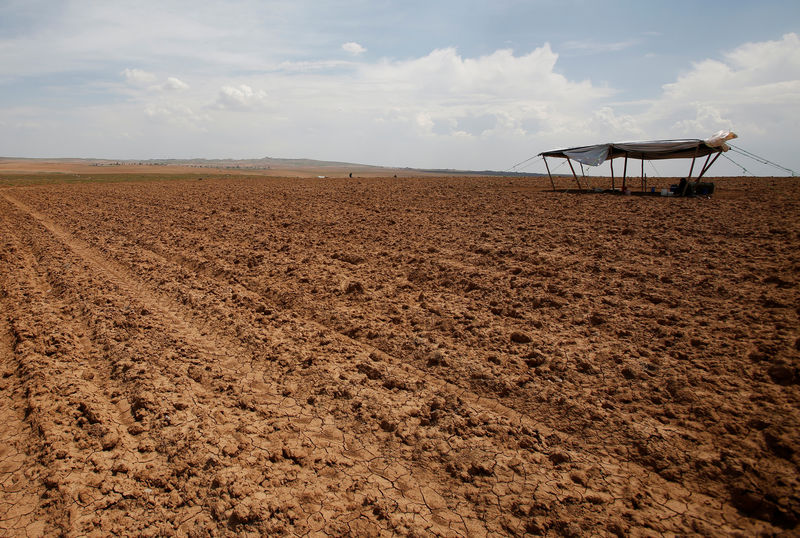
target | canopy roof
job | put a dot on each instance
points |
(647, 150)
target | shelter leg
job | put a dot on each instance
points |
(625, 173)
(578, 181)
(585, 179)
(552, 183)
(691, 168)
(612, 173)
(644, 184)
(689, 178)
(707, 166)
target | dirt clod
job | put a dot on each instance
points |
(520, 337)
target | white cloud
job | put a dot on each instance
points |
(174, 83)
(705, 119)
(176, 114)
(138, 77)
(241, 97)
(444, 81)
(753, 90)
(445, 94)
(767, 71)
(754, 87)
(353, 48)
(424, 121)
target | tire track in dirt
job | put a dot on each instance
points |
(120, 278)
(20, 490)
(64, 381)
(96, 263)
(308, 313)
(433, 378)
(118, 274)
(96, 413)
(100, 265)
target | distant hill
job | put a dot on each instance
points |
(269, 163)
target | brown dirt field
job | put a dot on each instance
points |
(77, 169)
(446, 356)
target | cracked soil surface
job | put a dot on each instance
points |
(439, 356)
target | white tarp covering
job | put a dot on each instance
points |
(647, 150)
(590, 156)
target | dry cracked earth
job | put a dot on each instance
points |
(441, 356)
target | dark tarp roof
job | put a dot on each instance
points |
(649, 150)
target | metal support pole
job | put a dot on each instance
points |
(691, 169)
(612, 172)
(644, 186)
(583, 175)
(548, 173)
(707, 166)
(625, 172)
(569, 162)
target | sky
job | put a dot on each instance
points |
(415, 83)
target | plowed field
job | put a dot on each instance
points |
(452, 356)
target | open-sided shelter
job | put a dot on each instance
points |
(645, 151)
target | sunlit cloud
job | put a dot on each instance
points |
(176, 114)
(175, 84)
(353, 48)
(756, 85)
(138, 77)
(241, 97)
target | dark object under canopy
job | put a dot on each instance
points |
(645, 151)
